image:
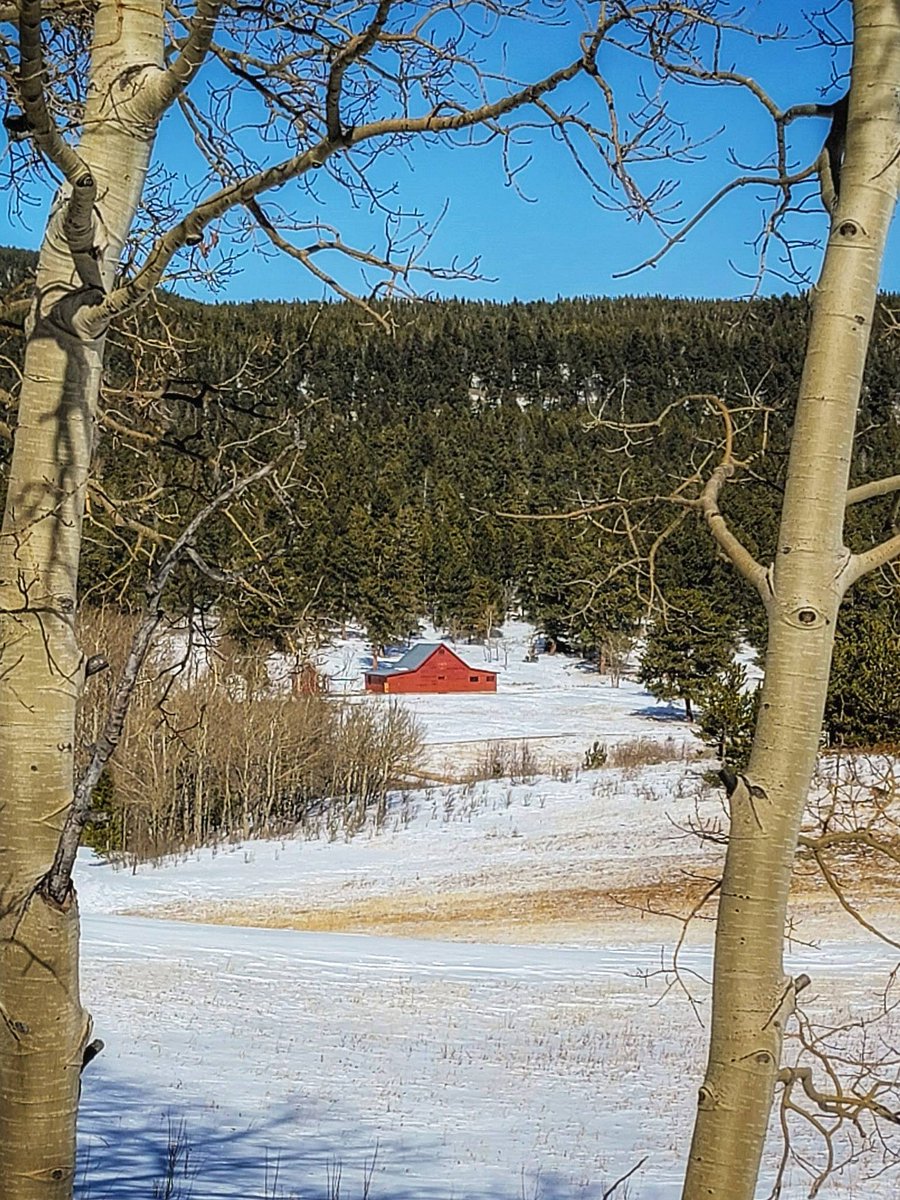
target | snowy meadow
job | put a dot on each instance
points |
(476, 1000)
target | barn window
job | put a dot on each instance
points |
(489, 678)
(442, 676)
(473, 679)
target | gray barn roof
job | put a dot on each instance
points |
(414, 657)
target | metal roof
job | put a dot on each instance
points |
(414, 658)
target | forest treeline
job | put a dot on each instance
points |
(436, 461)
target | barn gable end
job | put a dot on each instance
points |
(430, 667)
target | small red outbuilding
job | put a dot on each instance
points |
(430, 667)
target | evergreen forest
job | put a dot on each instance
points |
(457, 460)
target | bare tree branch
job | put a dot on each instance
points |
(708, 503)
(179, 74)
(34, 100)
(58, 879)
(92, 320)
(355, 48)
(742, 181)
(864, 563)
(872, 490)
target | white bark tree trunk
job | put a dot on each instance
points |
(43, 1027)
(752, 996)
(129, 85)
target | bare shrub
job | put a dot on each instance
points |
(851, 829)
(376, 750)
(211, 752)
(175, 1183)
(615, 649)
(558, 768)
(515, 761)
(646, 752)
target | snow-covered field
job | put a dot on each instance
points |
(559, 704)
(516, 1040)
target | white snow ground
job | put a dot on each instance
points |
(558, 703)
(479, 1070)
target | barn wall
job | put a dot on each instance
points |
(441, 673)
(444, 673)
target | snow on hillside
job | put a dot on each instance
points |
(518, 1043)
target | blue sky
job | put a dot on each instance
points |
(559, 242)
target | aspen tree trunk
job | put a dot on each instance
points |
(43, 1027)
(752, 996)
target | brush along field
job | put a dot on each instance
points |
(475, 1001)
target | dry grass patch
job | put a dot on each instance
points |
(649, 752)
(471, 915)
(521, 914)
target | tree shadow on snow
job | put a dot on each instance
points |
(587, 666)
(136, 1146)
(661, 712)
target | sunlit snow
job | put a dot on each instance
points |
(519, 1042)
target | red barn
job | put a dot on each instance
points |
(430, 667)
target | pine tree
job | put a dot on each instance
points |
(687, 646)
(728, 708)
(863, 705)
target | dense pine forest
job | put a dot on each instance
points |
(455, 460)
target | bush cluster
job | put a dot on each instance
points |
(211, 751)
